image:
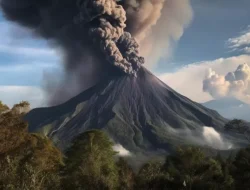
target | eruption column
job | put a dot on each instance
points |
(118, 46)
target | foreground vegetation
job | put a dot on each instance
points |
(32, 162)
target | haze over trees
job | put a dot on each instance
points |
(31, 162)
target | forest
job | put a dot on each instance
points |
(30, 161)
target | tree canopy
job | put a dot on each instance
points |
(3, 107)
(32, 162)
(189, 168)
(27, 161)
(241, 169)
(90, 162)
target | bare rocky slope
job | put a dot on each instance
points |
(140, 113)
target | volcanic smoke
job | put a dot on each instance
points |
(96, 35)
(102, 20)
(118, 46)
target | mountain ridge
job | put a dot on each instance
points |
(230, 108)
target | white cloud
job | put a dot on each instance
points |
(215, 84)
(26, 51)
(241, 42)
(26, 58)
(27, 67)
(247, 50)
(235, 83)
(18, 40)
(11, 95)
(121, 150)
(208, 137)
(11, 31)
(215, 140)
(188, 80)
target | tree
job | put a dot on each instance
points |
(190, 169)
(90, 163)
(27, 161)
(126, 175)
(238, 126)
(152, 177)
(33, 166)
(226, 179)
(241, 169)
(3, 107)
(21, 108)
(13, 132)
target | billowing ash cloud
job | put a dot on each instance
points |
(92, 33)
(118, 46)
(235, 83)
(157, 25)
(103, 21)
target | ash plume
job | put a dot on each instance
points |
(103, 21)
(157, 25)
(109, 33)
(101, 33)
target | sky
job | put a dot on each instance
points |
(214, 44)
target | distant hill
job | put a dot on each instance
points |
(230, 108)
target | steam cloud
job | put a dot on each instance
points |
(86, 31)
(121, 150)
(235, 83)
(215, 140)
(203, 136)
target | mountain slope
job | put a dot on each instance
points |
(140, 113)
(230, 108)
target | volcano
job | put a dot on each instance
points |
(140, 113)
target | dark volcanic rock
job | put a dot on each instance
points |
(140, 113)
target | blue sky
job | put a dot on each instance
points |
(215, 39)
(214, 22)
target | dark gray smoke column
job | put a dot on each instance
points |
(119, 47)
(80, 25)
(93, 36)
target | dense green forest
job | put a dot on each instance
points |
(31, 162)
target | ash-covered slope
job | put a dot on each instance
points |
(140, 113)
